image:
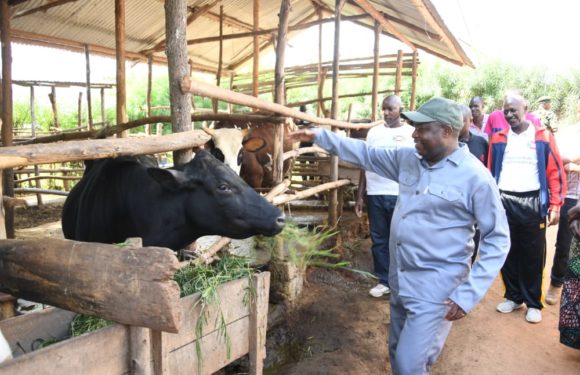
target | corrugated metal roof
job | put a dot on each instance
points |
(92, 22)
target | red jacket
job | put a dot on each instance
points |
(550, 167)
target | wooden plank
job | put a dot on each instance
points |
(231, 297)
(256, 45)
(24, 330)
(129, 286)
(259, 323)
(102, 352)
(184, 360)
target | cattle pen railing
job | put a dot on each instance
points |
(75, 150)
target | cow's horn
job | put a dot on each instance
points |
(208, 130)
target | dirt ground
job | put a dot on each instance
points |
(337, 328)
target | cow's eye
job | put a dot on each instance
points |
(240, 155)
(224, 187)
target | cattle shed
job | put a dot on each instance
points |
(224, 39)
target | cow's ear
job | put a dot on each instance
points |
(169, 178)
(254, 144)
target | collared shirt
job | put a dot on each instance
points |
(432, 229)
(480, 131)
(519, 170)
(496, 122)
(383, 136)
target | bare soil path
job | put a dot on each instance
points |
(339, 329)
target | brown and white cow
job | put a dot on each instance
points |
(247, 148)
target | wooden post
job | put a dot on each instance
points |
(89, 96)
(176, 50)
(279, 88)
(80, 110)
(120, 54)
(218, 77)
(258, 324)
(52, 98)
(139, 337)
(33, 133)
(7, 306)
(414, 81)
(376, 72)
(399, 73)
(7, 120)
(160, 354)
(333, 196)
(321, 75)
(149, 88)
(103, 114)
(256, 44)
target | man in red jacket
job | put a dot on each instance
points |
(528, 169)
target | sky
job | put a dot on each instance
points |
(524, 32)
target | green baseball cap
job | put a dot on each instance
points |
(544, 98)
(442, 110)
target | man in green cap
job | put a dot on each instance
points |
(444, 191)
(545, 113)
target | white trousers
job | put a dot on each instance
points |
(417, 334)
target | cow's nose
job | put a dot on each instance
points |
(281, 221)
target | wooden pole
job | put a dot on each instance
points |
(120, 54)
(33, 133)
(211, 91)
(256, 44)
(220, 58)
(333, 196)
(89, 96)
(14, 156)
(72, 275)
(376, 54)
(176, 50)
(52, 98)
(103, 114)
(321, 76)
(414, 81)
(279, 89)
(80, 110)
(7, 120)
(149, 89)
(399, 73)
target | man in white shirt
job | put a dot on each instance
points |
(381, 192)
(527, 167)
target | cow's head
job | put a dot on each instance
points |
(217, 201)
(227, 145)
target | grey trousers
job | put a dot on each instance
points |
(417, 334)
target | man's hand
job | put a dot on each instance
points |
(574, 220)
(304, 135)
(455, 312)
(358, 208)
(553, 217)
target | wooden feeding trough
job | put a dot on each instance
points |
(234, 326)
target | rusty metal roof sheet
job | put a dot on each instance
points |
(74, 24)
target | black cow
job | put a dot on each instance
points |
(131, 197)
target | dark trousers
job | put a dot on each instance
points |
(563, 241)
(522, 270)
(380, 210)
